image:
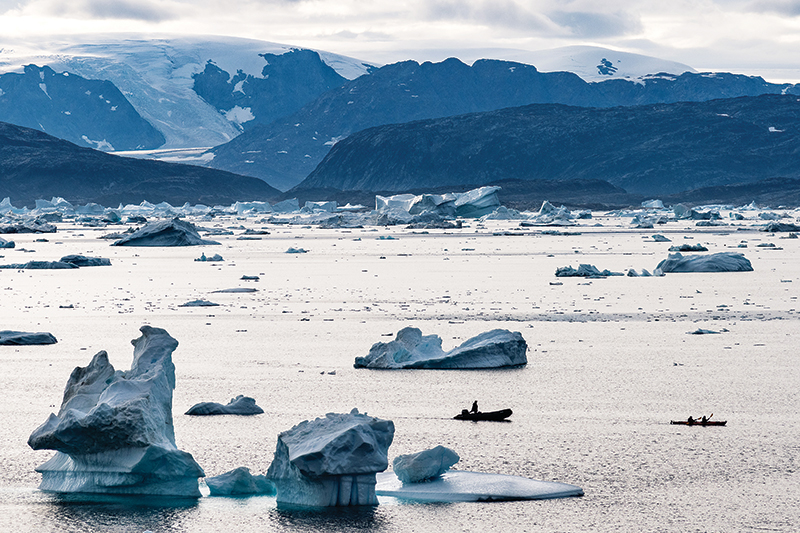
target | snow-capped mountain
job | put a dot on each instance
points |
(594, 63)
(157, 75)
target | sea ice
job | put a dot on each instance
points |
(241, 405)
(331, 461)
(199, 303)
(424, 465)
(22, 338)
(293, 250)
(460, 486)
(777, 227)
(410, 349)
(28, 226)
(216, 258)
(6, 244)
(660, 238)
(239, 482)
(235, 290)
(719, 262)
(584, 271)
(83, 261)
(113, 433)
(688, 248)
(173, 232)
(39, 265)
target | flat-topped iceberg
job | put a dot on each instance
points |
(239, 482)
(113, 433)
(83, 261)
(241, 405)
(23, 338)
(719, 262)
(424, 465)
(410, 349)
(460, 486)
(331, 461)
(175, 232)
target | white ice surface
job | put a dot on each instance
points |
(460, 486)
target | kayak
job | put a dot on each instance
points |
(699, 422)
(491, 415)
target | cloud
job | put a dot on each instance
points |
(503, 13)
(145, 11)
(595, 25)
(780, 7)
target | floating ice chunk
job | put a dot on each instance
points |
(653, 204)
(251, 207)
(241, 405)
(633, 274)
(287, 206)
(239, 482)
(584, 271)
(216, 258)
(777, 227)
(293, 250)
(328, 207)
(29, 226)
(22, 338)
(410, 349)
(237, 290)
(502, 213)
(4, 244)
(424, 465)
(173, 232)
(719, 262)
(660, 238)
(688, 248)
(199, 303)
(331, 461)
(40, 265)
(83, 261)
(459, 486)
(113, 433)
(700, 331)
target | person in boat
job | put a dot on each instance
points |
(690, 420)
(474, 407)
(703, 420)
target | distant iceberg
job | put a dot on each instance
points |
(719, 262)
(173, 232)
(410, 349)
(22, 338)
(331, 461)
(241, 405)
(113, 433)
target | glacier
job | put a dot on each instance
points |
(113, 433)
(410, 349)
(331, 461)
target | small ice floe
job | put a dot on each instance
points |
(660, 238)
(239, 482)
(4, 244)
(22, 338)
(584, 271)
(701, 331)
(241, 405)
(235, 290)
(216, 258)
(70, 306)
(633, 274)
(461, 486)
(719, 262)
(769, 245)
(386, 238)
(83, 261)
(653, 204)
(688, 248)
(175, 232)
(39, 265)
(293, 250)
(425, 465)
(198, 303)
(250, 278)
(331, 461)
(410, 349)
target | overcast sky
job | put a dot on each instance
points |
(749, 36)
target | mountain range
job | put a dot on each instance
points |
(656, 149)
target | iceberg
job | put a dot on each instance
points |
(6, 244)
(241, 405)
(688, 248)
(239, 482)
(199, 303)
(113, 433)
(410, 349)
(29, 226)
(83, 261)
(777, 227)
(477, 202)
(22, 338)
(425, 465)
(584, 271)
(173, 232)
(719, 262)
(460, 486)
(331, 461)
(40, 265)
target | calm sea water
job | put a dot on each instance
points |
(610, 363)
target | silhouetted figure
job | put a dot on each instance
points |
(704, 419)
(474, 407)
(691, 420)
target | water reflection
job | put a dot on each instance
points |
(330, 519)
(88, 512)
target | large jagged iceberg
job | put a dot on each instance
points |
(719, 262)
(175, 232)
(113, 433)
(410, 349)
(331, 461)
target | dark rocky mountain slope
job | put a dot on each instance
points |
(647, 150)
(287, 150)
(35, 165)
(86, 112)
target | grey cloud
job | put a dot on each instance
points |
(504, 13)
(116, 9)
(780, 7)
(591, 25)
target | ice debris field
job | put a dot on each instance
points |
(575, 319)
